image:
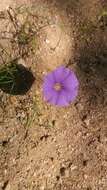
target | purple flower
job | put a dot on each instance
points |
(60, 86)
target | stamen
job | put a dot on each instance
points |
(57, 87)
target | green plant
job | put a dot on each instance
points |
(15, 78)
(8, 75)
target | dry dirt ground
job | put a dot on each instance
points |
(43, 147)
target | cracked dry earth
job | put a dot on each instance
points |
(43, 147)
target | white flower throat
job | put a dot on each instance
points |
(57, 86)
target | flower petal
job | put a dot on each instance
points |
(47, 91)
(61, 73)
(62, 100)
(49, 79)
(54, 98)
(70, 82)
(71, 95)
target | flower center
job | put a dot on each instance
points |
(57, 86)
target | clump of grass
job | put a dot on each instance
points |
(23, 38)
(8, 76)
(15, 79)
(22, 32)
(27, 41)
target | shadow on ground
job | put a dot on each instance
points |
(15, 79)
(91, 67)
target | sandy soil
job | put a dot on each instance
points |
(43, 147)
